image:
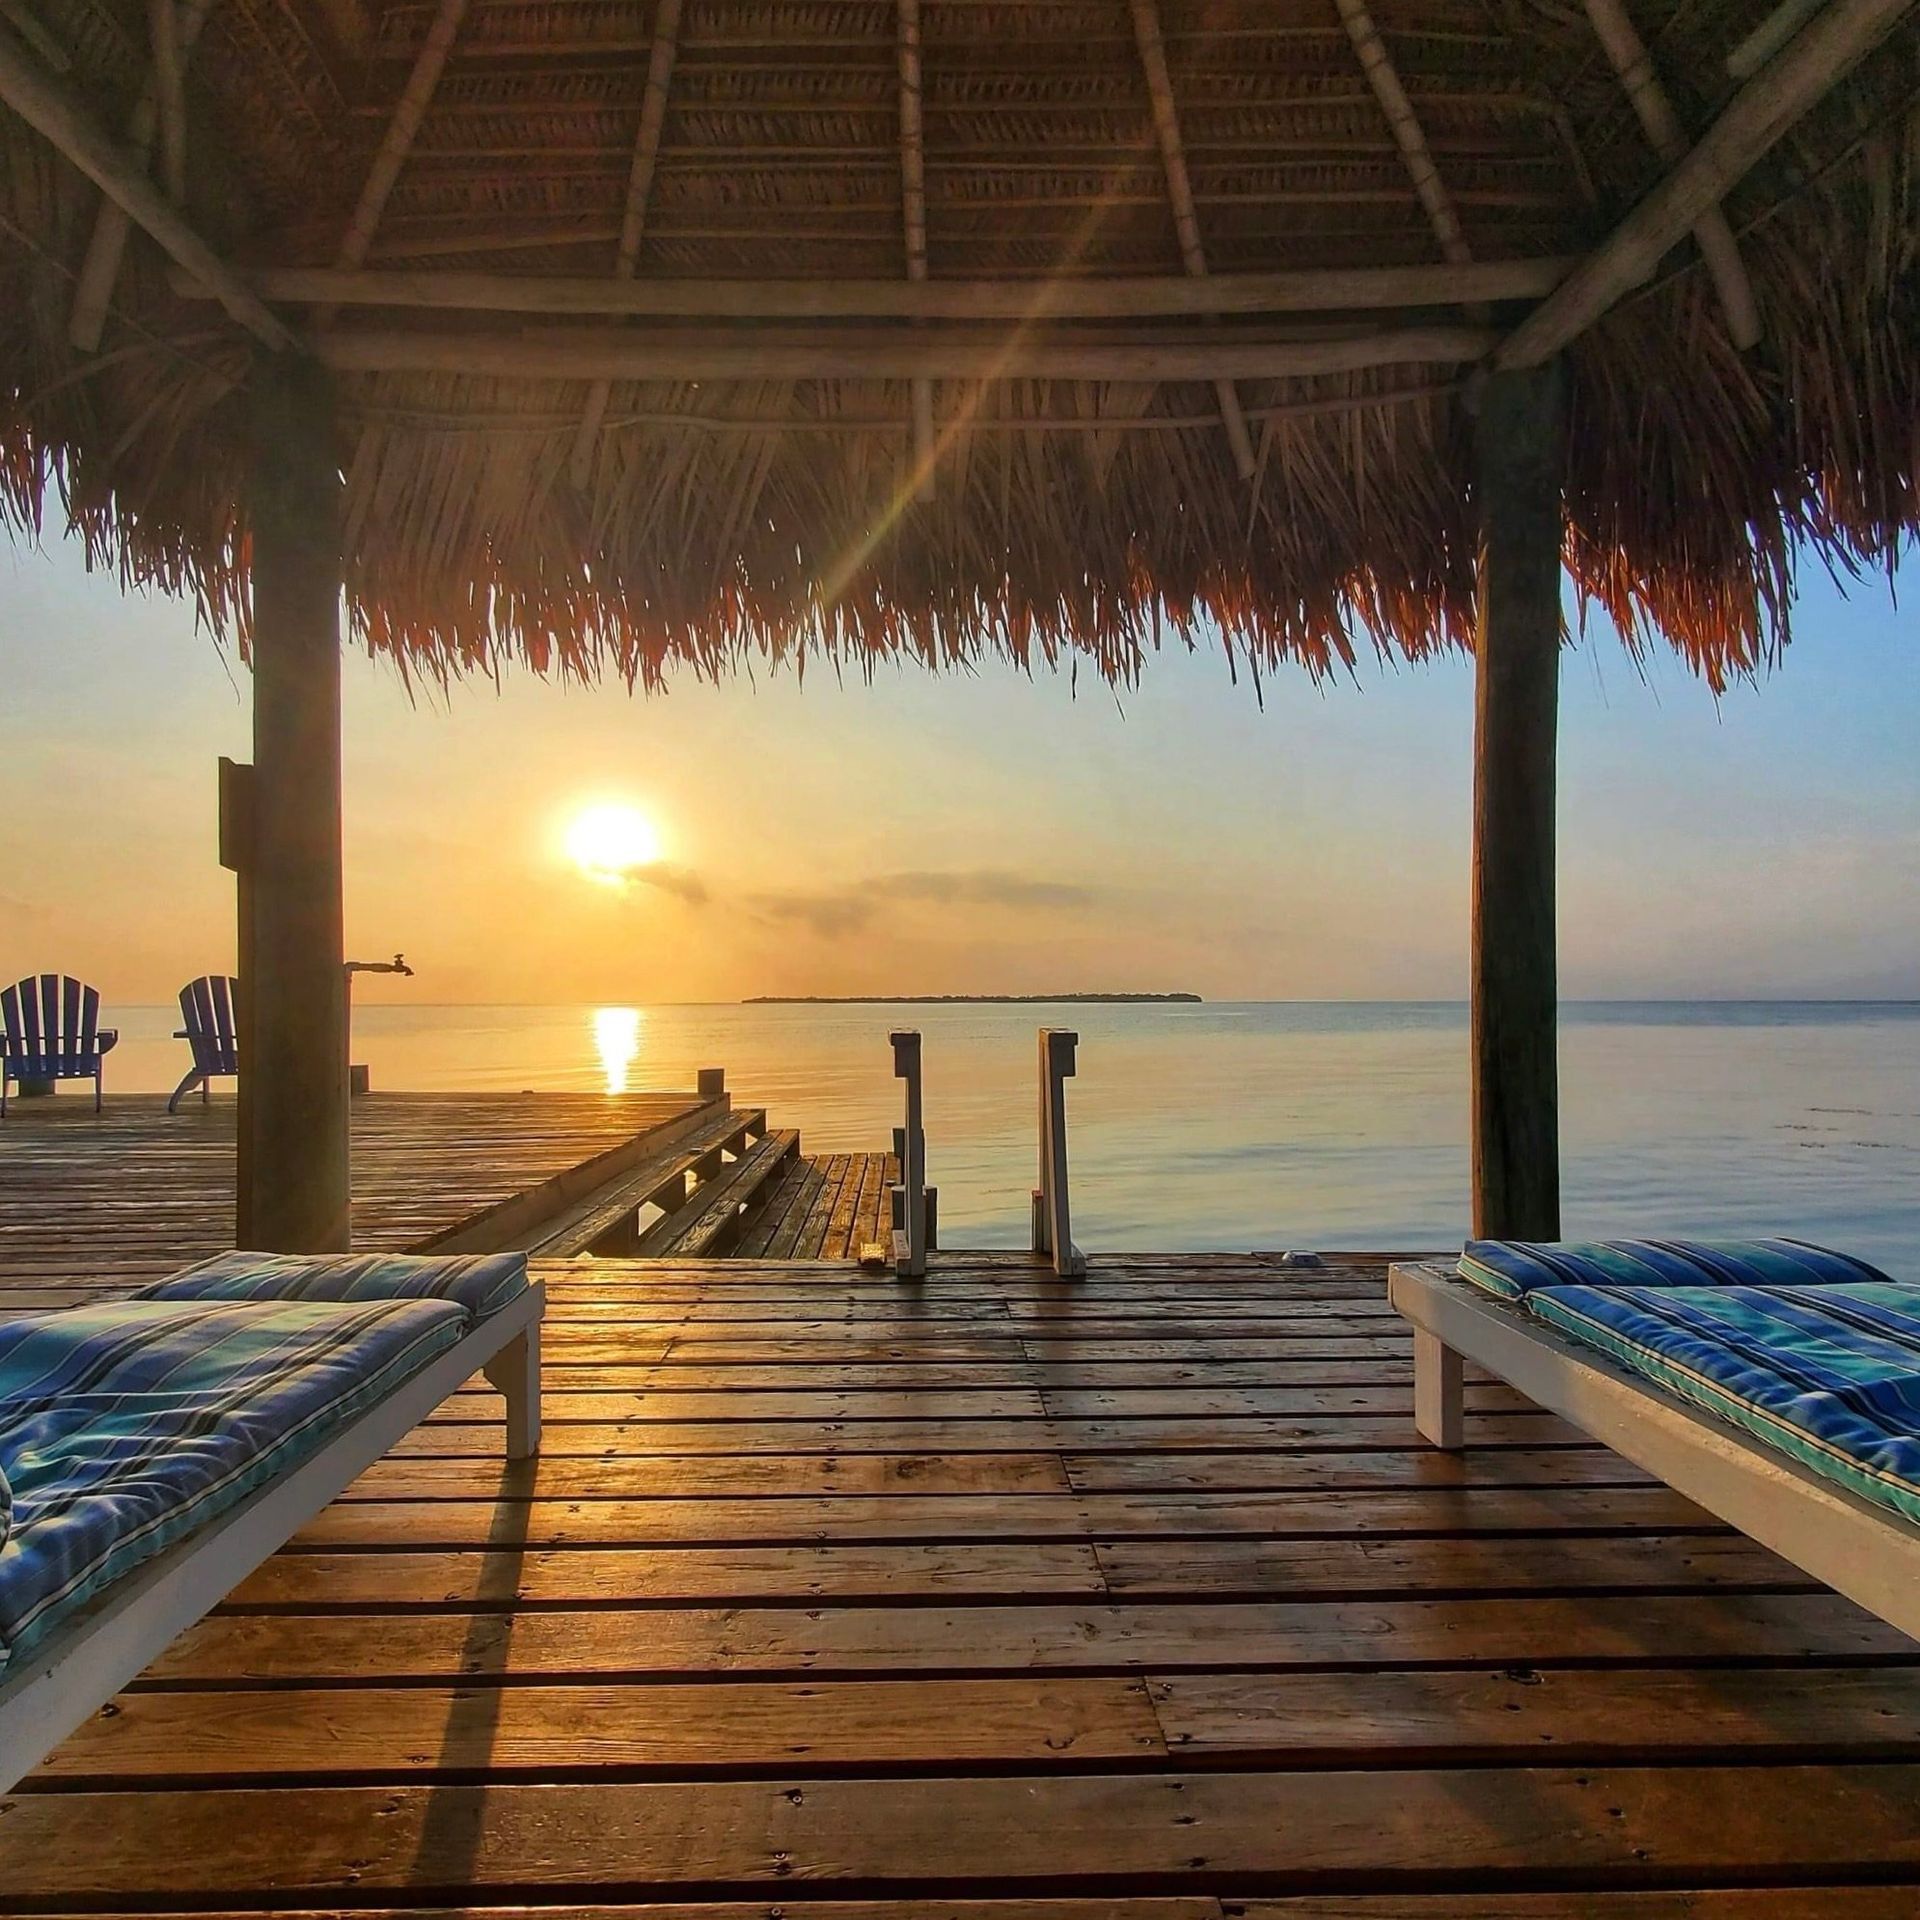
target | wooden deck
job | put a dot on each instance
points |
(999, 1598)
(93, 1205)
(825, 1208)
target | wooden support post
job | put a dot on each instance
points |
(515, 1370)
(236, 855)
(1052, 1213)
(293, 1063)
(910, 1242)
(1516, 1143)
(1439, 1391)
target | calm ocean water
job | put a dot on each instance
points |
(1262, 1125)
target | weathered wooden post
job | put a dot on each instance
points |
(1518, 460)
(910, 1240)
(1052, 1211)
(293, 1059)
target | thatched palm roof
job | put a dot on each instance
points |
(620, 489)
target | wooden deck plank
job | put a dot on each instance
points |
(996, 1599)
(823, 1209)
(1158, 1569)
(1619, 1826)
(702, 1476)
(1039, 1516)
(402, 1732)
(477, 1433)
(1143, 1636)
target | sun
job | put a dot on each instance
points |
(610, 841)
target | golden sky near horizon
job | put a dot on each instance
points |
(987, 833)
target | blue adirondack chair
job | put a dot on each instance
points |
(207, 1006)
(50, 1030)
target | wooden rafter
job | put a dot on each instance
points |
(397, 142)
(633, 217)
(1812, 64)
(100, 267)
(1186, 218)
(1408, 135)
(20, 15)
(837, 352)
(170, 94)
(1163, 296)
(50, 109)
(1627, 53)
(913, 204)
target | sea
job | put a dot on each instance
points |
(1265, 1125)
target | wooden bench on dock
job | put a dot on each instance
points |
(701, 1182)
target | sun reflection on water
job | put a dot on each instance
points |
(616, 1034)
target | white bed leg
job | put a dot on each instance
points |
(515, 1370)
(1438, 1391)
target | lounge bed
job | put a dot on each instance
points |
(1776, 1384)
(154, 1451)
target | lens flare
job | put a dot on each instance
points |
(616, 1036)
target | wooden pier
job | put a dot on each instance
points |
(1004, 1597)
(95, 1205)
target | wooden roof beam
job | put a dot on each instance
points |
(1815, 61)
(1630, 60)
(913, 206)
(633, 217)
(170, 94)
(931, 353)
(398, 141)
(1408, 135)
(1161, 296)
(107, 246)
(1186, 219)
(47, 106)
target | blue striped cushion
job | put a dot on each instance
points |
(1828, 1374)
(125, 1427)
(482, 1283)
(1514, 1268)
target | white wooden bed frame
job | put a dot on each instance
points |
(48, 1691)
(1864, 1551)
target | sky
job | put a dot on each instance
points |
(988, 833)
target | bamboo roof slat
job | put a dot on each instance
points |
(635, 376)
(101, 267)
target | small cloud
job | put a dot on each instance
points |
(984, 887)
(829, 915)
(835, 912)
(682, 882)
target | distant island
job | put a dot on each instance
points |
(969, 999)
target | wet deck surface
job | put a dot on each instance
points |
(91, 1206)
(824, 1207)
(1002, 1598)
